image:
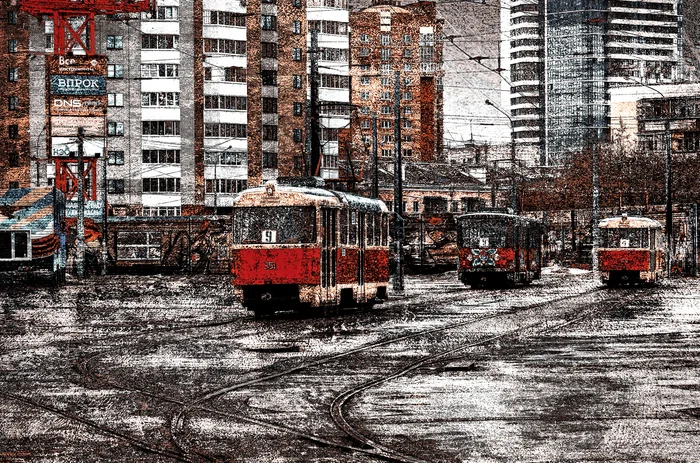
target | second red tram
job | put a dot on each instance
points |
(298, 247)
(631, 250)
(498, 248)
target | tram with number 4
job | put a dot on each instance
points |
(631, 250)
(498, 249)
(299, 248)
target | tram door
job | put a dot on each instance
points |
(328, 255)
(361, 244)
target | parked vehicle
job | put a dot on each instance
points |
(302, 247)
(631, 250)
(498, 248)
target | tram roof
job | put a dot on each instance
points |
(315, 194)
(498, 215)
(629, 222)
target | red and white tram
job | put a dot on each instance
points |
(631, 250)
(297, 247)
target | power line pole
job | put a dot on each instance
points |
(80, 227)
(315, 140)
(398, 187)
(375, 158)
(669, 200)
(104, 199)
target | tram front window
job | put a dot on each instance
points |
(274, 225)
(625, 238)
(486, 234)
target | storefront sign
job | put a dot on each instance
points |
(78, 85)
(77, 65)
(78, 105)
(67, 126)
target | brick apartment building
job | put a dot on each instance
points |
(388, 37)
(15, 162)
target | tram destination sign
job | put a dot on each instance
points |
(78, 85)
(77, 65)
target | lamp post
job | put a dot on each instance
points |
(513, 192)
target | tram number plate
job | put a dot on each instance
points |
(483, 242)
(269, 236)
(270, 265)
(624, 243)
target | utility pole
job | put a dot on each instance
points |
(80, 227)
(669, 200)
(596, 208)
(104, 202)
(315, 140)
(398, 187)
(375, 158)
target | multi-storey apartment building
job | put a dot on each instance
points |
(387, 37)
(14, 101)
(207, 98)
(562, 57)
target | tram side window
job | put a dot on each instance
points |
(377, 229)
(385, 229)
(271, 225)
(369, 226)
(353, 228)
(344, 226)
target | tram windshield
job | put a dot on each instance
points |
(274, 225)
(624, 238)
(488, 233)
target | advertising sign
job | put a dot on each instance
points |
(67, 147)
(77, 65)
(78, 85)
(67, 126)
(78, 105)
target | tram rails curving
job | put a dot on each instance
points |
(539, 320)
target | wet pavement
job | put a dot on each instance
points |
(169, 368)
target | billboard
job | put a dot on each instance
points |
(67, 126)
(78, 85)
(77, 65)
(61, 105)
(67, 147)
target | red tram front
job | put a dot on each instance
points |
(497, 248)
(631, 250)
(296, 247)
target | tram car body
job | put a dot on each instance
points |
(498, 248)
(630, 251)
(32, 231)
(296, 248)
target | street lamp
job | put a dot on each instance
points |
(513, 192)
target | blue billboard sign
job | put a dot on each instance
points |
(78, 85)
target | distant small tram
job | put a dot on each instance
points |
(296, 248)
(630, 251)
(498, 248)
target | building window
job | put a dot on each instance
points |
(269, 132)
(115, 129)
(235, 103)
(269, 50)
(115, 185)
(296, 27)
(231, 47)
(161, 185)
(12, 46)
(296, 3)
(115, 71)
(407, 53)
(224, 18)
(13, 131)
(386, 68)
(269, 160)
(407, 81)
(225, 185)
(296, 54)
(224, 158)
(364, 95)
(386, 81)
(407, 96)
(225, 130)
(364, 67)
(160, 41)
(387, 152)
(387, 139)
(115, 158)
(269, 77)
(157, 211)
(160, 156)
(114, 42)
(364, 38)
(269, 105)
(408, 110)
(386, 124)
(268, 22)
(364, 124)
(407, 67)
(385, 54)
(12, 103)
(364, 52)
(407, 124)
(408, 152)
(296, 81)
(298, 109)
(159, 99)
(11, 17)
(387, 109)
(386, 96)
(160, 70)
(385, 40)
(166, 128)
(407, 39)
(115, 99)
(13, 159)
(207, 74)
(165, 13)
(13, 74)
(364, 80)
(297, 135)
(235, 74)
(48, 41)
(364, 109)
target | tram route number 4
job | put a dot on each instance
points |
(269, 236)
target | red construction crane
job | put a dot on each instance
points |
(68, 13)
